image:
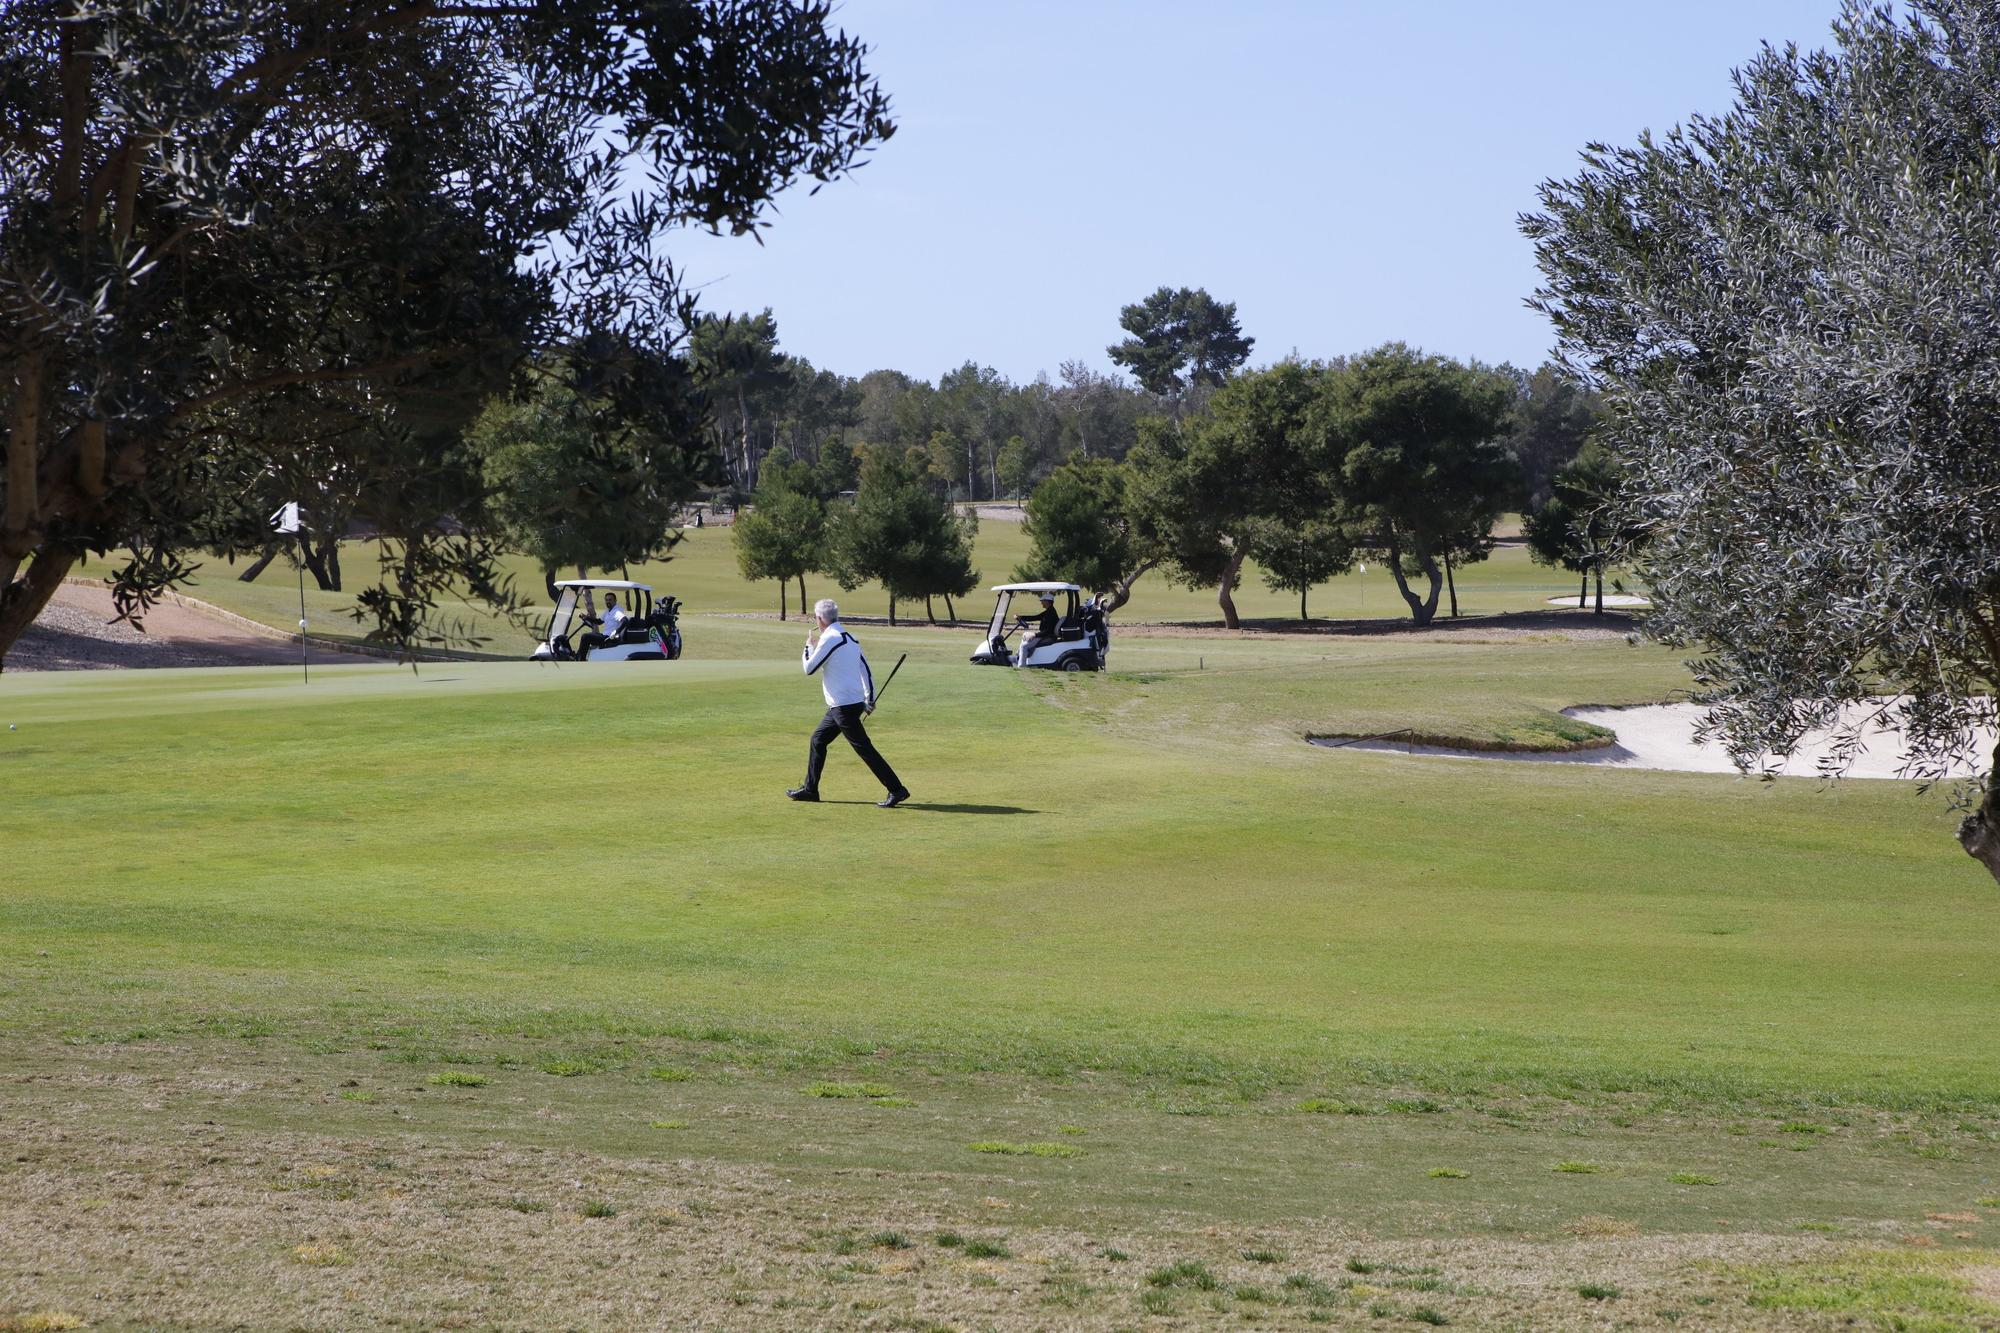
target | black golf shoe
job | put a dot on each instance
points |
(894, 798)
(803, 794)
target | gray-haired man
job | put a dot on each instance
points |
(835, 657)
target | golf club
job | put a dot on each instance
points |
(892, 679)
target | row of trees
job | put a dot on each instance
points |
(973, 434)
(896, 532)
(1305, 468)
(976, 435)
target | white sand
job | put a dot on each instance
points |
(1661, 736)
(1610, 599)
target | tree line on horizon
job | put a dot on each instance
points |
(1193, 467)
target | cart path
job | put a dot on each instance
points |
(76, 631)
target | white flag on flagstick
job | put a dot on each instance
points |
(286, 519)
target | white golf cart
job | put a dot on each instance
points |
(1081, 642)
(651, 632)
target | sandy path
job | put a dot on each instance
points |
(76, 632)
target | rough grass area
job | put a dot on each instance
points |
(418, 995)
(191, 1231)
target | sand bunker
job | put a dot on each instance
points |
(1661, 736)
(1610, 599)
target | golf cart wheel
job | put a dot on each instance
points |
(1072, 663)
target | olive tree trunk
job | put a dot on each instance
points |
(1424, 609)
(1123, 592)
(22, 600)
(259, 565)
(1222, 597)
(1979, 832)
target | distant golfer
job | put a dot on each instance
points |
(849, 688)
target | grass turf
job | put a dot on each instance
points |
(1253, 977)
(1107, 883)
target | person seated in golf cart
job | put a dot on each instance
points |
(611, 625)
(1044, 622)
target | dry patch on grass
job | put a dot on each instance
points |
(200, 1225)
(1908, 1288)
(41, 1321)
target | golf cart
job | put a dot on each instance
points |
(651, 632)
(1081, 642)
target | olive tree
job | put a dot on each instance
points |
(210, 209)
(1791, 310)
(572, 485)
(1081, 529)
(1201, 489)
(904, 536)
(1577, 528)
(783, 535)
(1411, 448)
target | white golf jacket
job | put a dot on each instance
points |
(844, 677)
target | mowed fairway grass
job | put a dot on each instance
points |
(376, 978)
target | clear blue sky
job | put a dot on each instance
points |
(1347, 173)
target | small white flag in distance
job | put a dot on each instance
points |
(286, 519)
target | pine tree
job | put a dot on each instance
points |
(783, 535)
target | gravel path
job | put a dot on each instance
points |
(76, 632)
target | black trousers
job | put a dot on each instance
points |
(845, 720)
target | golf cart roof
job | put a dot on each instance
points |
(603, 583)
(1036, 587)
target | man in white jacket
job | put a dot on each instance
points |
(835, 657)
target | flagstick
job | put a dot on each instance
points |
(285, 522)
(304, 665)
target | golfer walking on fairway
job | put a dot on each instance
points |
(844, 678)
